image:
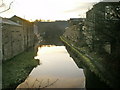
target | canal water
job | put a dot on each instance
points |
(56, 70)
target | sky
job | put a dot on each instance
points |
(47, 9)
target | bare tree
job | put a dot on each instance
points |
(40, 84)
(3, 5)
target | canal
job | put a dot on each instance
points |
(56, 69)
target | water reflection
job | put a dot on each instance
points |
(57, 70)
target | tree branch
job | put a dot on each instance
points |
(2, 4)
(50, 83)
(7, 8)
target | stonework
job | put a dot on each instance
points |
(11, 39)
(15, 37)
(102, 26)
(73, 32)
(101, 35)
(28, 31)
(0, 39)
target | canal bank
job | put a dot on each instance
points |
(16, 70)
(96, 75)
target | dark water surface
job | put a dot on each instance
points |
(56, 70)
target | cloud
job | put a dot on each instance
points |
(110, 0)
(81, 7)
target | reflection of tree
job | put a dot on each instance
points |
(3, 5)
(51, 31)
(41, 85)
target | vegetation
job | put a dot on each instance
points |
(51, 31)
(93, 63)
(17, 69)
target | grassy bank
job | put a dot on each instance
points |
(16, 70)
(91, 64)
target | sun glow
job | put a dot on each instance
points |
(48, 49)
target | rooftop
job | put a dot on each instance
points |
(6, 21)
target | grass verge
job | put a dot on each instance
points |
(16, 70)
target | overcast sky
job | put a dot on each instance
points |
(48, 9)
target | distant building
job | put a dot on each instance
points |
(75, 21)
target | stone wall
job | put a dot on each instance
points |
(11, 41)
(102, 27)
(101, 54)
(73, 32)
(28, 31)
(15, 37)
(0, 39)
